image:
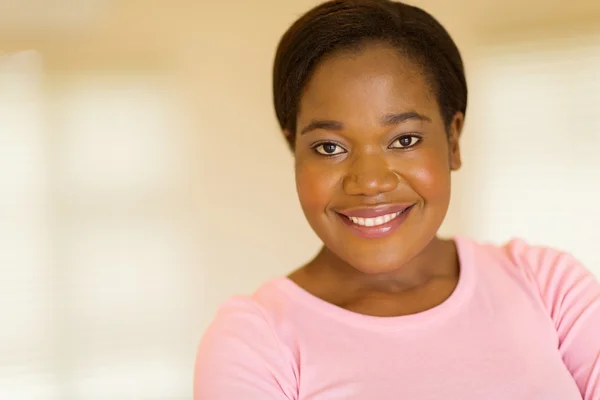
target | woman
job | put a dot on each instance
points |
(371, 96)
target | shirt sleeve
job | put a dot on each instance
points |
(571, 295)
(240, 357)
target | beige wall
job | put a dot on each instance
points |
(161, 184)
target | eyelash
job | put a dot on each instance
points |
(412, 136)
(318, 145)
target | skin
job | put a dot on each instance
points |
(373, 163)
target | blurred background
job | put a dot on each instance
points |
(143, 179)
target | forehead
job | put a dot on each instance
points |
(365, 83)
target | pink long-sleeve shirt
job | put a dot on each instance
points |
(522, 324)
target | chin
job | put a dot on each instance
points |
(377, 261)
(380, 256)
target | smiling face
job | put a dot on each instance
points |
(373, 158)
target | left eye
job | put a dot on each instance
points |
(329, 149)
(405, 142)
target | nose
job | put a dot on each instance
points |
(370, 175)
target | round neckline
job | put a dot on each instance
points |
(446, 308)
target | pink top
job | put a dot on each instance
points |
(522, 324)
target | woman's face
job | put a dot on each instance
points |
(373, 158)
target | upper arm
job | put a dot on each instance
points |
(571, 295)
(239, 357)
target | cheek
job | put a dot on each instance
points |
(431, 176)
(316, 186)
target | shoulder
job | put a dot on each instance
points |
(249, 317)
(524, 257)
(540, 258)
(544, 265)
(570, 295)
(241, 346)
(556, 276)
(238, 311)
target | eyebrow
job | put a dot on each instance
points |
(394, 119)
(386, 120)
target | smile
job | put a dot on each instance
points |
(375, 222)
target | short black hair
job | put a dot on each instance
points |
(347, 25)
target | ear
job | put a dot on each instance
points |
(453, 141)
(289, 137)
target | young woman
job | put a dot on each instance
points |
(371, 96)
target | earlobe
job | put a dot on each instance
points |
(455, 162)
(289, 138)
(454, 142)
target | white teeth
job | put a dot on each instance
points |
(374, 221)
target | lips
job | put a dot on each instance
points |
(376, 211)
(375, 222)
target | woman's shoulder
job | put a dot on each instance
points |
(522, 254)
(555, 274)
(241, 345)
(258, 306)
(262, 315)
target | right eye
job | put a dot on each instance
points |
(329, 149)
